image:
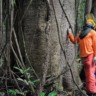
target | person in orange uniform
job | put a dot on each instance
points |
(87, 41)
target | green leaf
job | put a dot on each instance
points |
(27, 70)
(28, 75)
(42, 94)
(53, 93)
(35, 81)
(23, 80)
(23, 71)
(30, 82)
(20, 70)
(11, 92)
(20, 93)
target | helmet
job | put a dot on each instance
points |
(90, 23)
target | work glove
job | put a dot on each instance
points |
(94, 60)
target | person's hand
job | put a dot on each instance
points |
(94, 60)
(69, 31)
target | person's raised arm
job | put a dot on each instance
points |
(71, 36)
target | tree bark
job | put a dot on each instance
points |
(34, 25)
(43, 47)
(58, 60)
(88, 6)
(94, 7)
(0, 24)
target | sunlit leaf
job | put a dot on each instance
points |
(42, 94)
(53, 93)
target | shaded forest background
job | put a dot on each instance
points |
(35, 50)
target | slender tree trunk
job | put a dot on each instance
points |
(94, 7)
(1, 24)
(88, 6)
(8, 23)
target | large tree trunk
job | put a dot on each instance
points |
(43, 41)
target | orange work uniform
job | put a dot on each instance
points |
(87, 44)
(87, 52)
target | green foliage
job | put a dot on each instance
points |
(23, 71)
(29, 80)
(53, 93)
(11, 92)
(34, 82)
(42, 94)
(14, 92)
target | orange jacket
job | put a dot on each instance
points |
(87, 44)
